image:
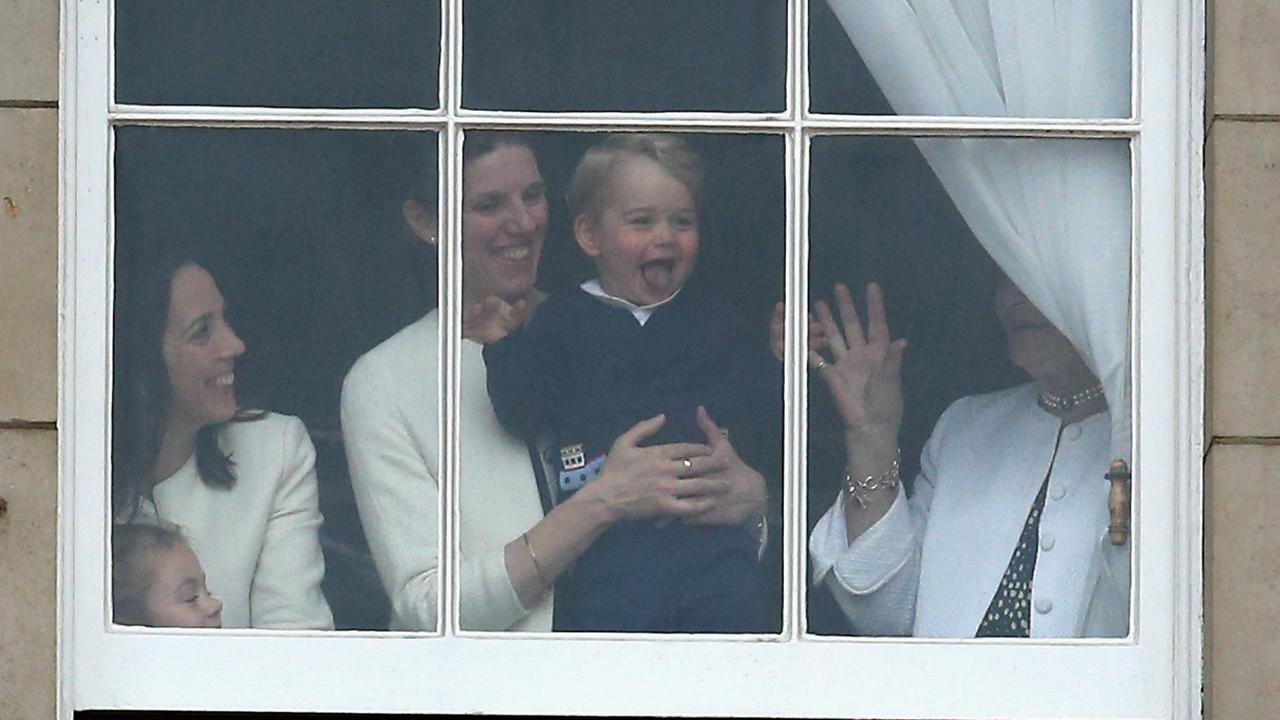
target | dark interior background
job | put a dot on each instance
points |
(304, 225)
(564, 55)
(282, 53)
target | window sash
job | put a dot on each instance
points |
(1153, 673)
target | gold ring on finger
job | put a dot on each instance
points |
(821, 364)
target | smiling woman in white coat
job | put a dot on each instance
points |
(1004, 534)
(240, 484)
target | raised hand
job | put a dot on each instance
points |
(778, 332)
(491, 319)
(864, 376)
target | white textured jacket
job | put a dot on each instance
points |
(390, 402)
(931, 565)
(259, 541)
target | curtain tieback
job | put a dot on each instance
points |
(1118, 501)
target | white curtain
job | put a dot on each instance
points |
(1054, 214)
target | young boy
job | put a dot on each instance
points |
(157, 581)
(631, 343)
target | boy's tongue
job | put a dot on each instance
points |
(657, 275)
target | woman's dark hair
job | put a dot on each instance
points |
(134, 547)
(478, 143)
(142, 394)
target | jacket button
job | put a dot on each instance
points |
(1047, 541)
(1044, 606)
(1057, 492)
(1073, 432)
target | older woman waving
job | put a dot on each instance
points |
(1001, 535)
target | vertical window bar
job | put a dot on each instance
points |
(793, 530)
(1135, 64)
(451, 318)
(802, 78)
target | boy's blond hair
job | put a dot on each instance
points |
(591, 178)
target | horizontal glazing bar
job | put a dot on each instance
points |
(713, 122)
(924, 125)
(284, 117)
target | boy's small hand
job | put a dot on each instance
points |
(778, 332)
(743, 496)
(491, 319)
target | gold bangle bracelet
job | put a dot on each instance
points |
(532, 556)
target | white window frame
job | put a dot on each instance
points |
(1154, 673)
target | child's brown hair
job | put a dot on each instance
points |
(134, 549)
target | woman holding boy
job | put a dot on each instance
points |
(512, 553)
(638, 341)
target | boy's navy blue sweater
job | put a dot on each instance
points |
(586, 372)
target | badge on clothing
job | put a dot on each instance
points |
(575, 471)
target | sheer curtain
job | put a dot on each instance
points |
(1055, 214)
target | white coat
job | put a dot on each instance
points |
(390, 425)
(259, 541)
(931, 565)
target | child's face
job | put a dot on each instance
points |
(178, 596)
(645, 240)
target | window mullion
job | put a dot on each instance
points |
(793, 545)
(450, 201)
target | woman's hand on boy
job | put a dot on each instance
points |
(492, 319)
(652, 481)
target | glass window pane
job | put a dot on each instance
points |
(661, 286)
(662, 55)
(1035, 59)
(288, 53)
(1005, 428)
(253, 268)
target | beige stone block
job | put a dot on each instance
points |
(1244, 293)
(1242, 578)
(28, 528)
(1245, 56)
(29, 50)
(28, 264)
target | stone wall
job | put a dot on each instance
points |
(28, 354)
(1242, 492)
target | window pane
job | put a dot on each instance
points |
(661, 305)
(288, 53)
(1000, 412)
(564, 55)
(1041, 59)
(303, 236)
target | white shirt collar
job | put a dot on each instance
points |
(641, 313)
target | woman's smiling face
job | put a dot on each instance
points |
(200, 351)
(504, 222)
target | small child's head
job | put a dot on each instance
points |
(157, 580)
(634, 202)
